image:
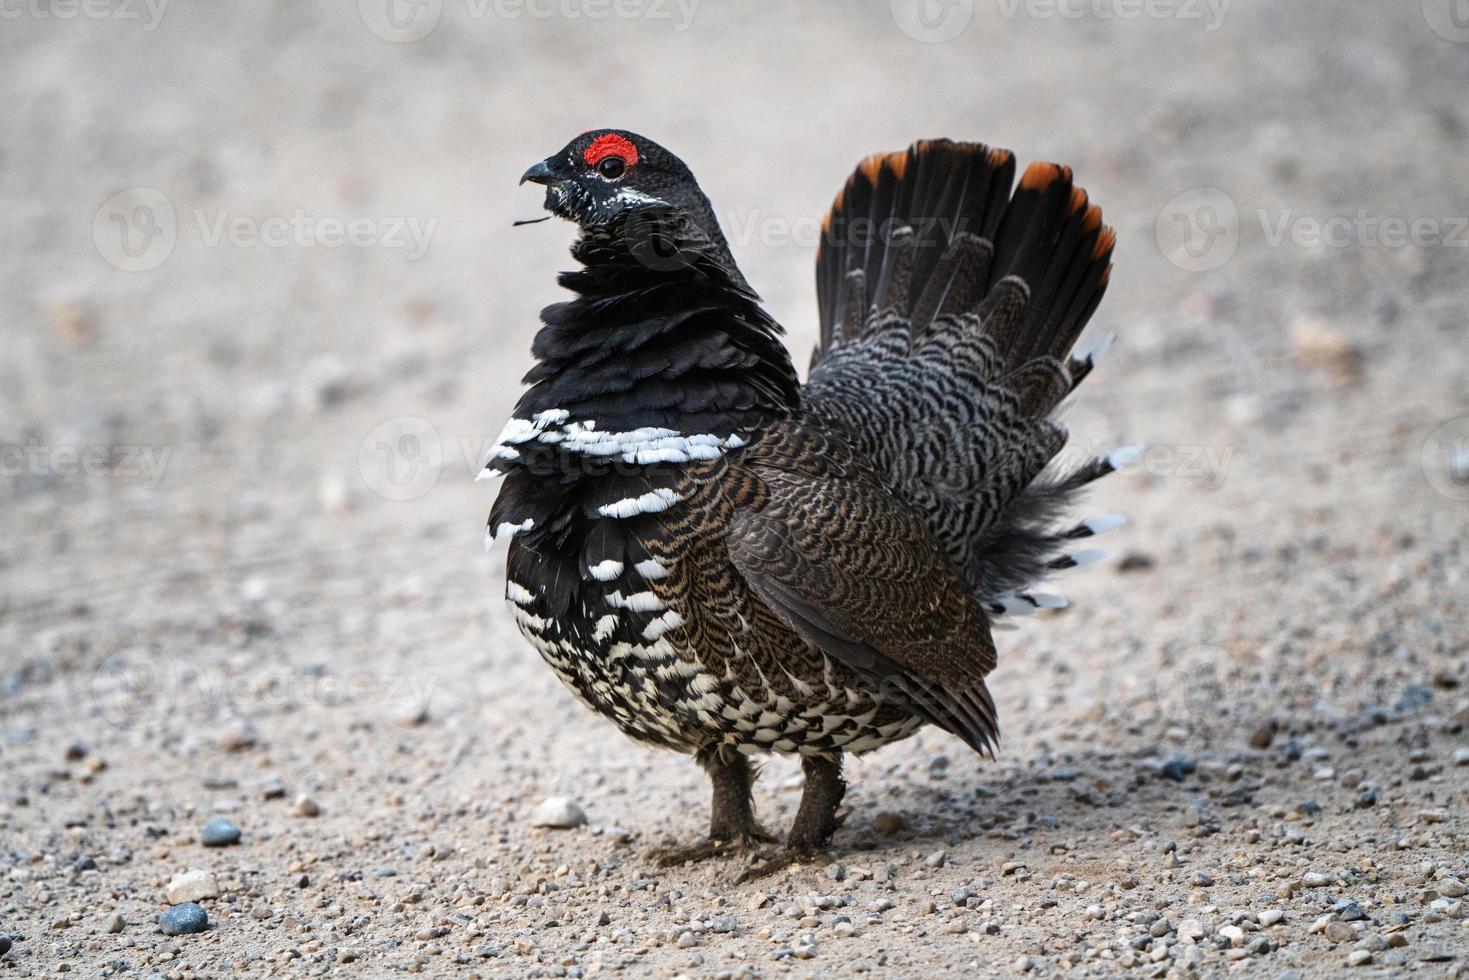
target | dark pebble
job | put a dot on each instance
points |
(1178, 769)
(4, 945)
(1262, 736)
(219, 832)
(1135, 561)
(85, 864)
(1349, 911)
(181, 920)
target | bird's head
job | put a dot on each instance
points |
(605, 174)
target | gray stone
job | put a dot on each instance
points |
(219, 832)
(559, 811)
(183, 919)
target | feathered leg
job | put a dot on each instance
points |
(816, 818)
(732, 823)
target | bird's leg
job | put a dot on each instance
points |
(732, 823)
(816, 818)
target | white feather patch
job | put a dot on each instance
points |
(670, 620)
(606, 571)
(650, 569)
(1101, 525)
(637, 602)
(652, 502)
(1088, 557)
(1121, 457)
(1098, 347)
(507, 529)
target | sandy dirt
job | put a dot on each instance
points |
(263, 309)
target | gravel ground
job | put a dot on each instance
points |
(241, 583)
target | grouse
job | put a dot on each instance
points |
(727, 562)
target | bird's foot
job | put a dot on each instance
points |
(668, 857)
(775, 860)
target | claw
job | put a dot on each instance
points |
(667, 857)
(774, 862)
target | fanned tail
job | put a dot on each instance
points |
(951, 300)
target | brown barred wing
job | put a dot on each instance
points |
(857, 573)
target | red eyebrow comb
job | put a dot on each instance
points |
(609, 145)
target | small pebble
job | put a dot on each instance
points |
(1461, 757)
(1359, 957)
(5, 943)
(116, 924)
(307, 807)
(273, 788)
(181, 920)
(559, 811)
(887, 822)
(219, 832)
(1178, 769)
(190, 886)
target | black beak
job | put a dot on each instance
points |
(539, 173)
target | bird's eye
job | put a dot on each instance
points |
(611, 167)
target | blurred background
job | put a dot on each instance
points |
(264, 309)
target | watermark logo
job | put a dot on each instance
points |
(1449, 19)
(1363, 230)
(144, 464)
(406, 21)
(135, 230)
(1198, 230)
(401, 459)
(148, 13)
(932, 21)
(301, 229)
(1211, 13)
(1446, 459)
(401, 21)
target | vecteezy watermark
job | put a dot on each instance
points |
(148, 13)
(301, 229)
(406, 21)
(137, 686)
(1200, 229)
(936, 21)
(1446, 458)
(1210, 13)
(1449, 19)
(1206, 465)
(932, 21)
(137, 230)
(142, 463)
(401, 459)
(1363, 230)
